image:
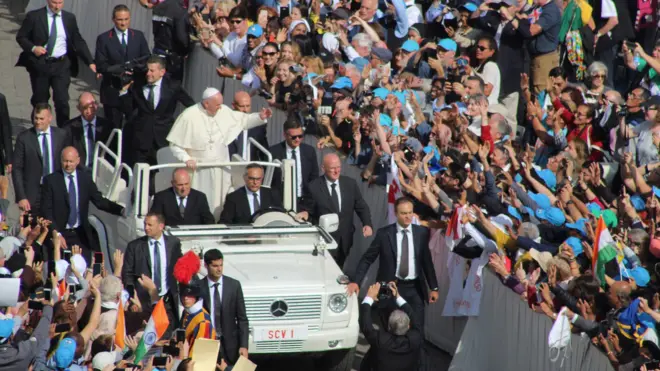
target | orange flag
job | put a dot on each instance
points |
(120, 329)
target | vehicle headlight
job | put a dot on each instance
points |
(338, 302)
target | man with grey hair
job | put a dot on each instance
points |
(398, 346)
(360, 46)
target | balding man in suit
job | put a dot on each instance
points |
(243, 103)
(182, 205)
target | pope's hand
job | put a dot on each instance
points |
(265, 113)
(191, 164)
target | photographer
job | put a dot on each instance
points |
(116, 51)
(396, 346)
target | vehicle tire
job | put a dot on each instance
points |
(337, 360)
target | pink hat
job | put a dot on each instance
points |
(654, 247)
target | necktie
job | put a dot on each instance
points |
(403, 268)
(90, 144)
(335, 197)
(124, 46)
(182, 208)
(217, 309)
(50, 46)
(256, 203)
(152, 96)
(45, 154)
(156, 265)
(73, 203)
(294, 156)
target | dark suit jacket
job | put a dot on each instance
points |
(392, 352)
(351, 202)
(137, 262)
(110, 57)
(166, 202)
(384, 246)
(26, 172)
(259, 134)
(235, 325)
(6, 148)
(55, 201)
(236, 209)
(34, 31)
(308, 163)
(76, 132)
(147, 126)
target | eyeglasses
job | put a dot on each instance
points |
(257, 57)
(482, 48)
(221, 19)
(597, 76)
(266, 54)
(236, 21)
(296, 136)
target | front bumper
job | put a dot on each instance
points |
(317, 341)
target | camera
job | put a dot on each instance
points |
(124, 74)
(623, 110)
(385, 292)
(266, 94)
(408, 154)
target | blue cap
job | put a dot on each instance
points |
(6, 328)
(553, 215)
(410, 46)
(381, 93)
(255, 30)
(639, 274)
(579, 225)
(471, 7)
(401, 96)
(396, 130)
(436, 154)
(342, 83)
(638, 202)
(385, 120)
(448, 45)
(514, 213)
(575, 244)
(65, 352)
(541, 200)
(549, 178)
(360, 62)
(593, 207)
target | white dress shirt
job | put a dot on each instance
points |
(289, 156)
(411, 252)
(49, 138)
(178, 199)
(85, 130)
(60, 42)
(232, 48)
(67, 181)
(145, 91)
(162, 252)
(250, 197)
(211, 293)
(122, 34)
(329, 185)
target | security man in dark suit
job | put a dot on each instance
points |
(293, 148)
(394, 347)
(171, 36)
(182, 205)
(223, 299)
(51, 44)
(243, 103)
(150, 104)
(87, 129)
(65, 198)
(114, 49)
(36, 148)
(241, 204)
(335, 194)
(6, 148)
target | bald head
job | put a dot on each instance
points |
(70, 159)
(213, 104)
(331, 166)
(87, 106)
(242, 102)
(181, 182)
(619, 294)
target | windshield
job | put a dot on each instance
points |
(284, 240)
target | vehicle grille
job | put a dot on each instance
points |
(299, 308)
(280, 346)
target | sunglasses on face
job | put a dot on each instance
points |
(296, 136)
(597, 76)
(482, 48)
(236, 21)
(266, 54)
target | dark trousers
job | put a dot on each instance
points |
(53, 74)
(341, 252)
(78, 237)
(147, 156)
(115, 115)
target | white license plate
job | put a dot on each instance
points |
(279, 333)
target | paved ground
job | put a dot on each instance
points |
(15, 85)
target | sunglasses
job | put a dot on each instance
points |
(266, 54)
(296, 136)
(236, 21)
(482, 48)
(597, 76)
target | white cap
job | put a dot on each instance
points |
(103, 359)
(209, 92)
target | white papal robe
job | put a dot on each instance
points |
(196, 135)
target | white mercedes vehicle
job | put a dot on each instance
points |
(294, 291)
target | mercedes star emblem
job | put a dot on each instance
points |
(279, 308)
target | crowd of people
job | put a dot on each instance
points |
(532, 126)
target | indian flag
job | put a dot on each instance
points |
(120, 329)
(154, 331)
(604, 250)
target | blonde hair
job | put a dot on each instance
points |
(314, 64)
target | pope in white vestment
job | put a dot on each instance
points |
(202, 134)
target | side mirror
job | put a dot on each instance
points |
(329, 222)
